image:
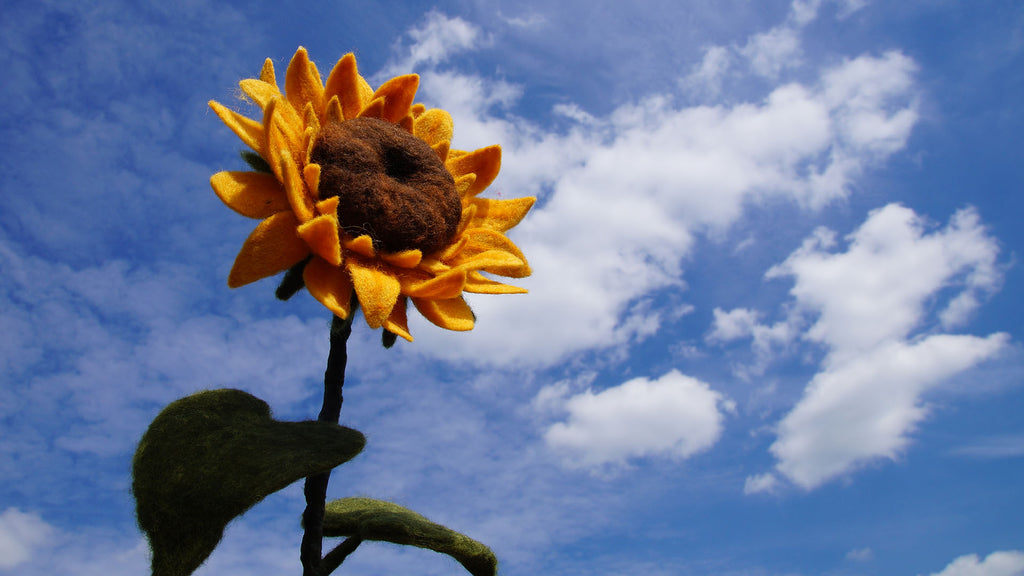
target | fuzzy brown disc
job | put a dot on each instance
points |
(390, 185)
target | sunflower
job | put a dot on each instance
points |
(359, 192)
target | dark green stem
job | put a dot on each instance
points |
(316, 486)
(335, 557)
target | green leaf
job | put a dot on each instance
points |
(209, 457)
(256, 162)
(388, 522)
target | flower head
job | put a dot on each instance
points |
(361, 190)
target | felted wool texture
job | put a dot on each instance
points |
(388, 522)
(363, 255)
(390, 185)
(209, 457)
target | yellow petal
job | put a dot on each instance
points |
(477, 283)
(250, 131)
(485, 163)
(417, 109)
(259, 91)
(407, 123)
(298, 196)
(267, 72)
(362, 245)
(250, 194)
(309, 116)
(500, 215)
(452, 314)
(434, 126)
(398, 322)
(464, 184)
(329, 206)
(376, 289)
(441, 148)
(375, 109)
(344, 82)
(330, 285)
(404, 259)
(334, 112)
(272, 247)
(311, 174)
(398, 94)
(321, 234)
(442, 287)
(283, 132)
(302, 84)
(492, 252)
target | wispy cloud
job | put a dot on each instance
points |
(868, 301)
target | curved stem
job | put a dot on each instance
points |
(316, 486)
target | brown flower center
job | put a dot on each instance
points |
(390, 185)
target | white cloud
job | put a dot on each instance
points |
(760, 483)
(436, 40)
(707, 76)
(21, 535)
(1008, 563)
(675, 416)
(771, 52)
(860, 555)
(625, 196)
(734, 324)
(879, 288)
(867, 399)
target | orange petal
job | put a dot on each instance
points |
(344, 82)
(329, 206)
(492, 252)
(283, 132)
(361, 245)
(311, 175)
(309, 116)
(464, 184)
(330, 285)
(500, 215)
(298, 195)
(375, 109)
(376, 289)
(485, 163)
(434, 126)
(259, 91)
(398, 322)
(334, 112)
(477, 283)
(321, 234)
(417, 109)
(407, 123)
(267, 73)
(250, 131)
(442, 287)
(404, 259)
(398, 94)
(302, 84)
(441, 148)
(452, 314)
(250, 194)
(271, 248)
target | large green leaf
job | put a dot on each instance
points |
(388, 522)
(209, 457)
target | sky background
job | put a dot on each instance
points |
(774, 325)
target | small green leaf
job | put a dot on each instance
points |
(256, 162)
(388, 522)
(209, 457)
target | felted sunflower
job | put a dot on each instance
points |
(360, 194)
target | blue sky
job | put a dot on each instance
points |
(774, 325)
